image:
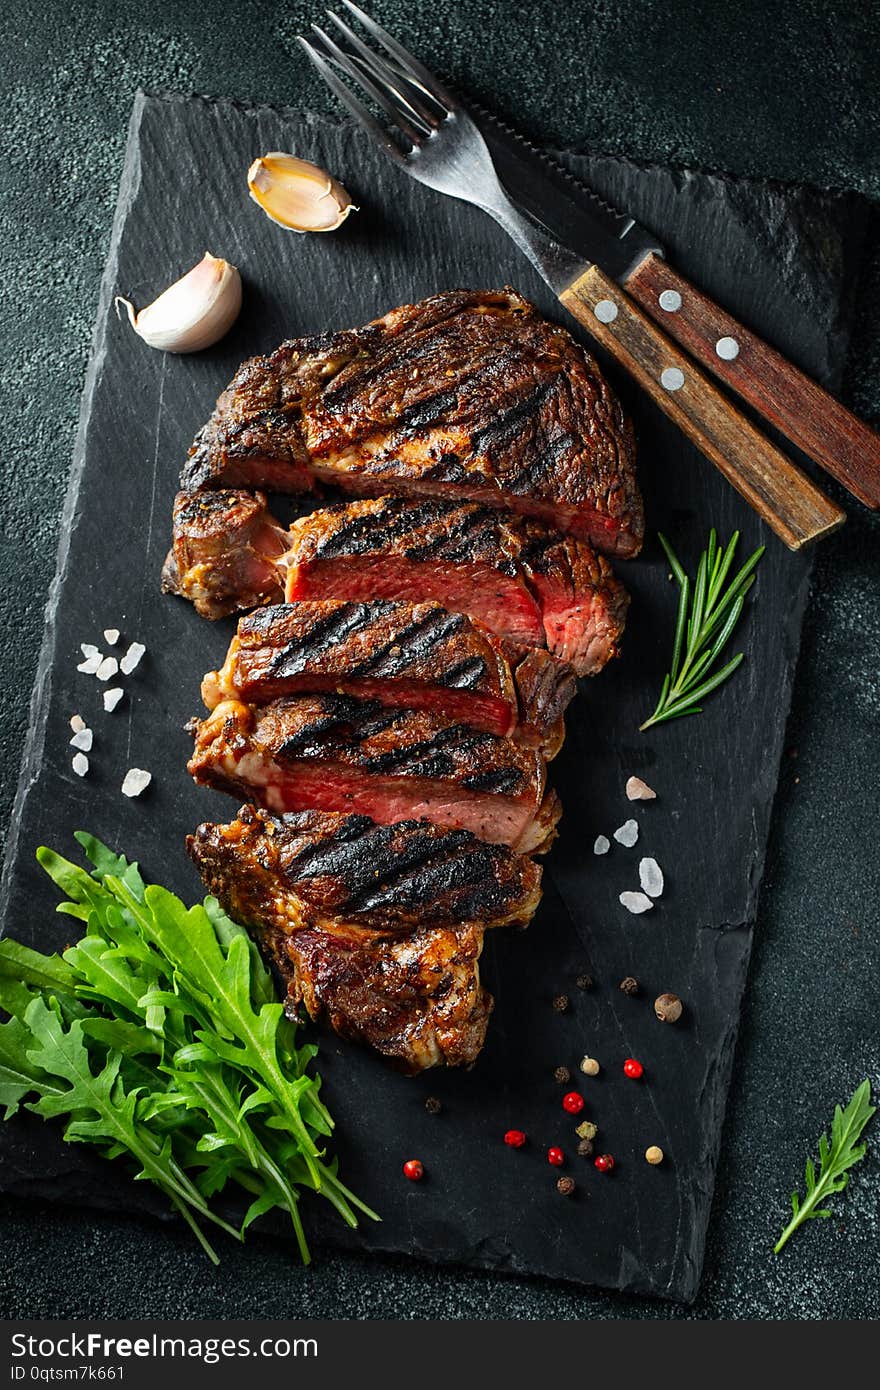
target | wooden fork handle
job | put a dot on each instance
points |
(779, 492)
(805, 413)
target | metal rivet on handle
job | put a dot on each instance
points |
(606, 311)
(727, 349)
(672, 379)
(670, 300)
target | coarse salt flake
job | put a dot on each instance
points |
(82, 739)
(627, 834)
(636, 902)
(651, 877)
(602, 844)
(636, 789)
(112, 698)
(89, 649)
(111, 636)
(136, 780)
(108, 667)
(90, 665)
(77, 723)
(80, 764)
(131, 658)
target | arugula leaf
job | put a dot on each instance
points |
(158, 1035)
(19, 1074)
(835, 1159)
(18, 962)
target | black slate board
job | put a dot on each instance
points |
(784, 259)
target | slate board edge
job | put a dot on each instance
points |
(35, 737)
(34, 744)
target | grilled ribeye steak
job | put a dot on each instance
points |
(418, 656)
(378, 928)
(335, 753)
(469, 393)
(520, 579)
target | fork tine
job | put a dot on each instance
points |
(356, 107)
(428, 112)
(423, 78)
(371, 77)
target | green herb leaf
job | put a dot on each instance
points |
(835, 1159)
(159, 1036)
(707, 615)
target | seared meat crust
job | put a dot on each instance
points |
(469, 392)
(332, 752)
(414, 655)
(519, 578)
(225, 553)
(381, 879)
(377, 928)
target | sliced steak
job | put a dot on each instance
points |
(335, 753)
(377, 928)
(469, 393)
(226, 551)
(519, 578)
(381, 879)
(417, 656)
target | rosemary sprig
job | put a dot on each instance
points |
(835, 1159)
(703, 626)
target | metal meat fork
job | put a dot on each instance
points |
(432, 138)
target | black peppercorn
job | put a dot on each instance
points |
(585, 1148)
(562, 1075)
(584, 982)
(629, 986)
(565, 1186)
(433, 1105)
(561, 1003)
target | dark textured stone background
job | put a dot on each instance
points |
(755, 88)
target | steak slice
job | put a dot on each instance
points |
(335, 753)
(381, 879)
(468, 393)
(417, 656)
(520, 579)
(226, 552)
(378, 928)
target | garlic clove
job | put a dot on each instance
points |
(193, 313)
(298, 195)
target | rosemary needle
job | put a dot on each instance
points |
(708, 611)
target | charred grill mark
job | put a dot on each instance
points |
(411, 644)
(325, 632)
(541, 465)
(339, 727)
(368, 533)
(423, 414)
(466, 533)
(195, 508)
(504, 425)
(449, 469)
(464, 675)
(496, 781)
(380, 875)
(405, 864)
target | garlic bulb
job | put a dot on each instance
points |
(193, 313)
(296, 194)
